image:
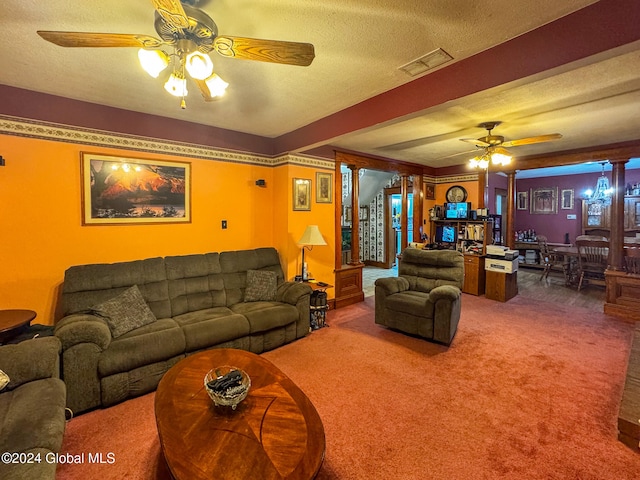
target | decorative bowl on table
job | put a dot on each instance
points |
(227, 386)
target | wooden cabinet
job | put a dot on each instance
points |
(598, 217)
(595, 215)
(474, 275)
(501, 286)
(632, 213)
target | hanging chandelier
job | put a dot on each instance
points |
(603, 191)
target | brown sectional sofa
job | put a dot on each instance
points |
(198, 302)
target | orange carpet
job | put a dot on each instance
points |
(525, 391)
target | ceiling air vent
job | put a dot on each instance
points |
(427, 62)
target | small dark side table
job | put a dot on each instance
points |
(12, 322)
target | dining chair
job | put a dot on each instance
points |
(548, 259)
(592, 261)
(632, 260)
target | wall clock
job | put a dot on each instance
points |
(456, 194)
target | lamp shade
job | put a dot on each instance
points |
(312, 236)
(199, 65)
(153, 61)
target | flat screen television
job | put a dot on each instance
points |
(446, 234)
(457, 210)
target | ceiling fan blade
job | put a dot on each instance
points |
(476, 142)
(84, 39)
(530, 140)
(502, 151)
(204, 90)
(274, 51)
(172, 12)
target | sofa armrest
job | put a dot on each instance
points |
(31, 360)
(445, 292)
(391, 285)
(83, 328)
(291, 292)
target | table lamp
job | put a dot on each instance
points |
(310, 237)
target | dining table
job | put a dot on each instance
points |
(569, 255)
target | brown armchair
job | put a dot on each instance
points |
(425, 298)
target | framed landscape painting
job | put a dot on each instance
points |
(125, 191)
(544, 200)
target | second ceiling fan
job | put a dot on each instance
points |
(494, 147)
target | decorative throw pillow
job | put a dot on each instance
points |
(261, 286)
(125, 312)
(4, 380)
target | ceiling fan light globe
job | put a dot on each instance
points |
(500, 159)
(483, 163)
(176, 85)
(153, 61)
(473, 163)
(199, 65)
(216, 85)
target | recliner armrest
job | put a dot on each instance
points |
(31, 360)
(392, 285)
(291, 292)
(83, 328)
(444, 292)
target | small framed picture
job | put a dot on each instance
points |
(429, 191)
(566, 199)
(301, 194)
(522, 200)
(324, 187)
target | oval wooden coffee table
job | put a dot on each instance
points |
(275, 433)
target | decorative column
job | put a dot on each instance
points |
(355, 215)
(616, 240)
(509, 231)
(404, 217)
(418, 197)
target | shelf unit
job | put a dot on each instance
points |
(480, 232)
(468, 232)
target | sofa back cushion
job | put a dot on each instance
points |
(195, 282)
(88, 285)
(236, 264)
(427, 269)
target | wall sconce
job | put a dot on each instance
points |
(261, 183)
(1, 161)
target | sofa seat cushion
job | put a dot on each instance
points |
(412, 302)
(264, 316)
(158, 341)
(32, 416)
(211, 326)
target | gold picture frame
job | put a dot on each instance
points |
(544, 201)
(566, 199)
(301, 194)
(522, 201)
(324, 187)
(131, 191)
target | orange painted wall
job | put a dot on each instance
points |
(40, 214)
(320, 260)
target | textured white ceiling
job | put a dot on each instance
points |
(359, 44)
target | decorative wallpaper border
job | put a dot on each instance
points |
(467, 177)
(40, 130)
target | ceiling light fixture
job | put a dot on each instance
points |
(603, 191)
(187, 59)
(494, 155)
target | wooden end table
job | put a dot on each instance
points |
(13, 321)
